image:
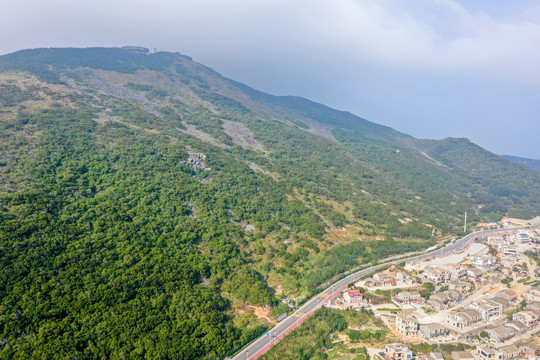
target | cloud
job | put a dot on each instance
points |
(441, 35)
(437, 34)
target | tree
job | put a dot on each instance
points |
(428, 286)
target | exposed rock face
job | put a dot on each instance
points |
(192, 210)
(192, 130)
(71, 83)
(105, 117)
(196, 161)
(241, 135)
(321, 130)
(123, 93)
(257, 168)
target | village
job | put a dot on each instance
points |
(486, 298)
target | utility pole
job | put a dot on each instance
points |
(465, 223)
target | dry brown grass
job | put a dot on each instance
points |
(47, 94)
(344, 235)
(152, 131)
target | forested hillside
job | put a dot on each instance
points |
(150, 208)
(530, 163)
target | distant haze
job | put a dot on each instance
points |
(431, 69)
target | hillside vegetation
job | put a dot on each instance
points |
(150, 208)
(530, 163)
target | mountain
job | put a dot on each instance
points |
(530, 163)
(151, 208)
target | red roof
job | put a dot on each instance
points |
(354, 293)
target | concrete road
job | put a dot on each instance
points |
(270, 338)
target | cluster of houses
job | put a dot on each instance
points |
(510, 247)
(501, 241)
(454, 276)
(479, 314)
(503, 315)
(510, 352)
(452, 314)
(407, 324)
(488, 310)
(495, 305)
(389, 278)
(444, 299)
(400, 351)
(447, 274)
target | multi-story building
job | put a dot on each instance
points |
(510, 352)
(398, 351)
(501, 301)
(463, 319)
(456, 271)
(532, 295)
(509, 295)
(439, 301)
(517, 326)
(475, 273)
(432, 331)
(484, 260)
(534, 306)
(462, 355)
(438, 276)
(435, 356)
(462, 286)
(523, 238)
(529, 348)
(509, 250)
(353, 297)
(487, 308)
(500, 334)
(528, 317)
(408, 296)
(407, 323)
(487, 353)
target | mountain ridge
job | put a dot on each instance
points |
(530, 163)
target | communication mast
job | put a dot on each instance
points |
(465, 223)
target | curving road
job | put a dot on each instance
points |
(267, 340)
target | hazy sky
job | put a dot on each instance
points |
(429, 68)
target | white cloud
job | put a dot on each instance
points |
(437, 34)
